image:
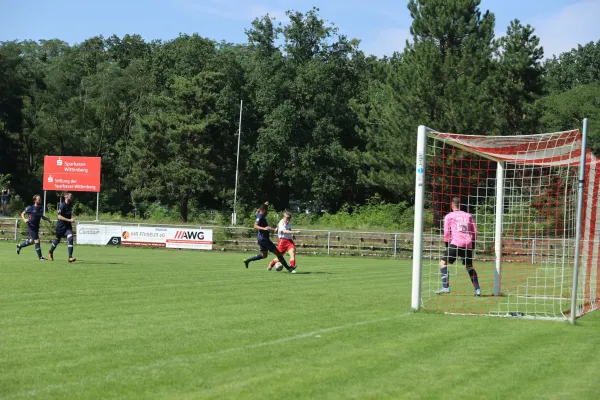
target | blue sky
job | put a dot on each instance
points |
(381, 25)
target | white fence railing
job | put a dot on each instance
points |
(9, 226)
(321, 242)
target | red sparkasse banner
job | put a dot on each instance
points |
(73, 174)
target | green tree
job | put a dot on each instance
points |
(14, 84)
(566, 110)
(518, 81)
(446, 68)
(446, 77)
(172, 156)
(580, 66)
(125, 50)
(186, 56)
(304, 137)
(322, 123)
(442, 79)
(383, 163)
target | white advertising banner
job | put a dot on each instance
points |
(174, 238)
(98, 234)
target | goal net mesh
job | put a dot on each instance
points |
(532, 275)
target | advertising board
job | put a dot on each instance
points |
(72, 174)
(98, 234)
(173, 238)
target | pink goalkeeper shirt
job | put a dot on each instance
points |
(459, 229)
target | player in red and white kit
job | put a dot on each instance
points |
(286, 240)
(460, 233)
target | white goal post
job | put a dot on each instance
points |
(534, 201)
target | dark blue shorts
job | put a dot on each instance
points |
(63, 231)
(267, 245)
(33, 233)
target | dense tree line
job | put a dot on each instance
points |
(323, 123)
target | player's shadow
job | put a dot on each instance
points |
(98, 263)
(314, 273)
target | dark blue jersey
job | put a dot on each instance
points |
(261, 221)
(35, 215)
(66, 210)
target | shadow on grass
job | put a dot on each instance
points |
(97, 263)
(315, 273)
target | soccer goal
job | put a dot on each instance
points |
(534, 201)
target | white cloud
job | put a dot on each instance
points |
(575, 24)
(386, 42)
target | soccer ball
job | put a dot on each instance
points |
(278, 266)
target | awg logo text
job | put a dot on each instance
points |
(189, 235)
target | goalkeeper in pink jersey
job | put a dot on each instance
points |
(460, 233)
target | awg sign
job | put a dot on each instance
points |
(191, 235)
(72, 174)
(174, 238)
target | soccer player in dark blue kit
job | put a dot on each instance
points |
(64, 227)
(35, 213)
(265, 243)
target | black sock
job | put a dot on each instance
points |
(38, 250)
(445, 277)
(255, 258)
(54, 244)
(25, 243)
(283, 262)
(473, 276)
(70, 246)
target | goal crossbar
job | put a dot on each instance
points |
(544, 149)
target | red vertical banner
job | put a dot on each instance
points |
(73, 174)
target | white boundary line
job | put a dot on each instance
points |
(543, 298)
(185, 360)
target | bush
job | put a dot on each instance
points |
(159, 212)
(374, 216)
(16, 205)
(82, 209)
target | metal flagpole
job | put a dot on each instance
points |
(237, 168)
(44, 212)
(97, 205)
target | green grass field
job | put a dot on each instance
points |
(157, 324)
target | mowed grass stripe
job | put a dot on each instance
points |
(169, 324)
(177, 361)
